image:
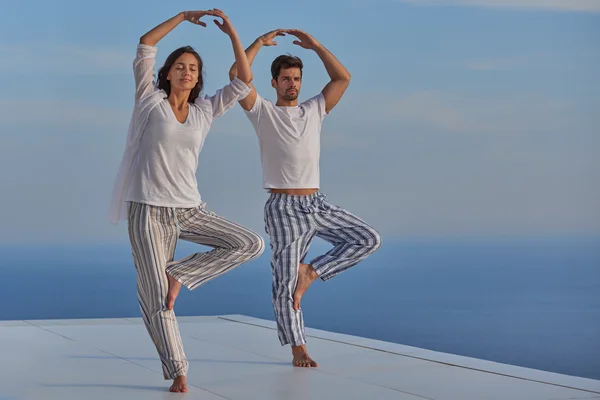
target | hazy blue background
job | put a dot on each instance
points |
(478, 119)
(469, 137)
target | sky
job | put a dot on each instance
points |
(464, 118)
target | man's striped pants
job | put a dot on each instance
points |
(292, 222)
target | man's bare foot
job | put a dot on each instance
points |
(301, 358)
(179, 385)
(174, 286)
(306, 276)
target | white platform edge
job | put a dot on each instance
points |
(561, 380)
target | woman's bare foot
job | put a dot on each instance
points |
(179, 385)
(301, 358)
(174, 287)
(306, 276)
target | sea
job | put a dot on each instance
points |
(531, 302)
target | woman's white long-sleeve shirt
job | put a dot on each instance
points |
(161, 154)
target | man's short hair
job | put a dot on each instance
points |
(285, 61)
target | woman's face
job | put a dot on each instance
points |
(184, 72)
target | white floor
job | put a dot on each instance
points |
(238, 357)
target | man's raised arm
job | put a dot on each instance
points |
(265, 40)
(340, 77)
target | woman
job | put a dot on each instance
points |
(156, 189)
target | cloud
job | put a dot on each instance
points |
(517, 113)
(42, 112)
(433, 109)
(64, 59)
(552, 5)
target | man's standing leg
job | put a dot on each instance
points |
(353, 240)
(291, 231)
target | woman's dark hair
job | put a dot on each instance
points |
(163, 82)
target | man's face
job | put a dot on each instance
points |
(288, 83)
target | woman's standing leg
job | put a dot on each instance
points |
(153, 234)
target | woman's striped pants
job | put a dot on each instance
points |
(153, 232)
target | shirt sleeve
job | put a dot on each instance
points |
(226, 97)
(255, 112)
(143, 70)
(316, 104)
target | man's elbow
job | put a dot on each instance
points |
(344, 78)
(232, 72)
(248, 81)
(343, 82)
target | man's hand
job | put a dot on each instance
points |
(340, 77)
(268, 39)
(305, 41)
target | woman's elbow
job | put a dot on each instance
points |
(146, 40)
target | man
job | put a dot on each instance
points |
(296, 211)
